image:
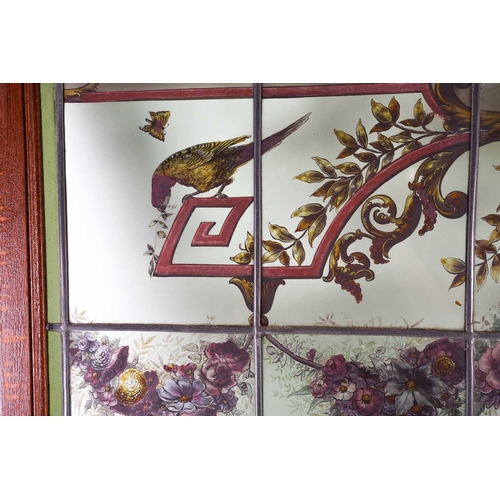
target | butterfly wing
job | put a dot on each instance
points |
(156, 126)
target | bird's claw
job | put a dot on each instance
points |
(220, 195)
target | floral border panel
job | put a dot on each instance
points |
(487, 378)
(161, 374)
(305, 374)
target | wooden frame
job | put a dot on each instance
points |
(23, 337)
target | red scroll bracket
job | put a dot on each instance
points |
(202, 238)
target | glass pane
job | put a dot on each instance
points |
(487, 270)
(55, 374)
(364, 376)
(142, 249)
(161, 374)
(487, 377)
(363, 207)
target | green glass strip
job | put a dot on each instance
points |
(55, 374)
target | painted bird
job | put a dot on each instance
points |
(210, 165)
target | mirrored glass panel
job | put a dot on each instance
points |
(363, 376)
(487, 250)
(364, 206)
(161, 374)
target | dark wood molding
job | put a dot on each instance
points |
(23, 339)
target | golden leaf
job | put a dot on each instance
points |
(394, 109)
(285, 259)
(410, 123)
(366, 157)
(381, 127)
(323, 190)
(325, 166)
(271, 256)
(355, 184)
(482, 274)
(495, 267)
(418, 112)
(249, 243)
(411, 147)
(338, 186)
(372, 170)
(385, 142)
(480, 253)
(495, 235)
(340, 198)
(401, 138)
(298, 252)
(428, 119)
(492, 219)
(438, 137)
(281, 233)
(346, 152)
(306, 222)
(242, 258)
(387, 159)
(361, 134)
(348, 168)
(453, 265)
(310, 176)
(309, 209)
(316, 228)
(346, 139)
(487, 246)
(458, 280)
(378, 146)
(496, 167)
(272, 246)
(381, 113)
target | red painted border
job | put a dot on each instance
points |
(315, 270)
(267, 92)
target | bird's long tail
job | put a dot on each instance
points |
(246, 151)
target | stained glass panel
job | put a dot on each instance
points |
(375, 186)
(161, 374)
(140, 245)
(363, 376)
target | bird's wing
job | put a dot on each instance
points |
(198, 155)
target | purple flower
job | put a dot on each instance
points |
(226, 402)
(410, 355)
(413, 386)
(345, 408)
(319, 388)
(101, 357)
(448, 359)
(367, 401)
(184, 396)
(421, 411)
(105, 395)
(187, 371)
(491, 399)
(335, 368)
(490, 365)
(362, 376)
(343, 389)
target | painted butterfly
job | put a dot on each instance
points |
(156, 126)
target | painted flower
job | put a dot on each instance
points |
(184, 395)
(187, 371)
(149, 404)
(413, 386)
(343, 389)
(319, 388)
(226, 402)
(218, 378)
(336, 368)
(362, 376)
(410, 355)
(105, 395)
(225, 362)
(345, 408)
(101, 357)
(491, 399)
(367, 401)
(489, 364)
(480, 380)
(228, 353)
(421, 411)
(448, 359)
